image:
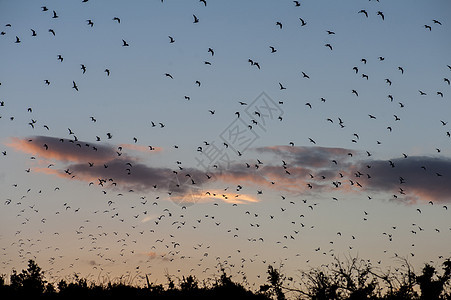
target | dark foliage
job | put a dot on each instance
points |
(352, 279)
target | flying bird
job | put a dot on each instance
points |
(362, 11)
(437, 22)
(303, 23)
(196, 20)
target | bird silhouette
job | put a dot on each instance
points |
(303, 23)
(362, 11)
(196, 19)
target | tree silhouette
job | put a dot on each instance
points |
(350, 279)
(434, 288)
(30, 281)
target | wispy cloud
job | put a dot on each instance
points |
(63, 150)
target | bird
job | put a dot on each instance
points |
(329, 46)
(17, 40)
(83, 67)
(75, 86)
(90, 23)
(33, 32)
(54, 15)
(437, 22)
(118, 20)
(282, 87)
(171, 39)
(107, 71)
(272, 49)
(211, 51)
(279, 24)
(379, 13)
(196, 19)
(428, 27)
(303, 23)
(362, 11)
(124, 43)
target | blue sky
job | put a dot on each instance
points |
(50, 210)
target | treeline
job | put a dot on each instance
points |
(351, 279)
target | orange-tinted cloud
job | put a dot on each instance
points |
(141, 148)
(63, 150)
(295, 170)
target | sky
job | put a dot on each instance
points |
(136, 140)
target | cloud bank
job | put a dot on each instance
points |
(286, 169)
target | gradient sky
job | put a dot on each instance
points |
(209, 161)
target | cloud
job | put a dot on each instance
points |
(286, 169)
(314, 157)
(64, 150)
(151, 255)
(412, 179)
(140, 148)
